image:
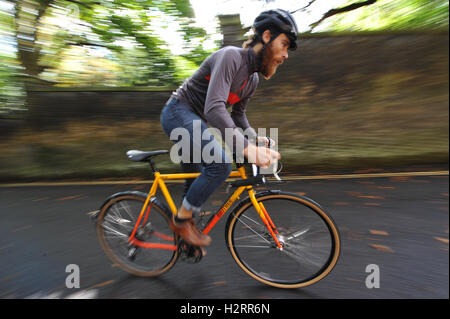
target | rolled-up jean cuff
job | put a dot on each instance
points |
(188, 206)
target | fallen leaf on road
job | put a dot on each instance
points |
(444, 240)
(381, 248)
(69, 197)
(220, 283)
(372, 197)
(353, 279)
(378, 232)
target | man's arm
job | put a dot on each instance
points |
(223, 72)
(238, 114)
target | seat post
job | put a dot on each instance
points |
(152, 165)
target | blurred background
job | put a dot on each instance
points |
(83, 81)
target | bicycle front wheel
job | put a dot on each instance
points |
(116, 223)
(309, 238)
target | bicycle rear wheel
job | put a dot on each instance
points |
(115, 224)
(309, 238)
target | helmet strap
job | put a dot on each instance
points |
(274, 35)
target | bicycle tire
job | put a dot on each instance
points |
(146, 262)
(253, 248)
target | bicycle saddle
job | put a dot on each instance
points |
(140, 156)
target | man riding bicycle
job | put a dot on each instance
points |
(228, 77)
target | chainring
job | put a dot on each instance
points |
(189, 253)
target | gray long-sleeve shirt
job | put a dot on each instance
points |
(227, 77)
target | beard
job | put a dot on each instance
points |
(268, 64)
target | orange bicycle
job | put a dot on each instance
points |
(279, 238)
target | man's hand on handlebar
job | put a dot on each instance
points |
(260, 155)
(265, 140)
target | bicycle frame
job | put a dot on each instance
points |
(159, 183)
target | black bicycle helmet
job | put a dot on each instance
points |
(278, 21)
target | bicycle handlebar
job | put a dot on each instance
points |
(257, 177)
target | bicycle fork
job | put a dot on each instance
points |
(262, 212)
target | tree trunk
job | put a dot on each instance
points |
(27, 19)
(28, 15)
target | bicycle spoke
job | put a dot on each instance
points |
(253, 230)
(296, 234)
(254, 221)
(113, 231)
(306, 239)
(115, 213)
(116, 223)
(302, 258)
(250, 246)
(119, 221)
(127, 210)
(247, 237)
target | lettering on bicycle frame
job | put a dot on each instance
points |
(224, 208)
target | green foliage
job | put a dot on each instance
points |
(98, 42)
(127, 42)
(197, 55)
(392, 15)
(11, 90)
(184, 68)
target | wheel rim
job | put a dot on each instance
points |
(310, 243)
(116, 224)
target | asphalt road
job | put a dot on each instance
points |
(400, 224)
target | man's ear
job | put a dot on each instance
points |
(266, 36)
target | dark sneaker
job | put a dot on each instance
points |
(190, 233)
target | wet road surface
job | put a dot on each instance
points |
(398, 223)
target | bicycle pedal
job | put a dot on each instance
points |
(191, 254)
(132, 253)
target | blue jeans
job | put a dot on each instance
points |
(174, 115)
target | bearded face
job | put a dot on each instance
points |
(274, 55)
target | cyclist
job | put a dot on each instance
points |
(227, 77)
